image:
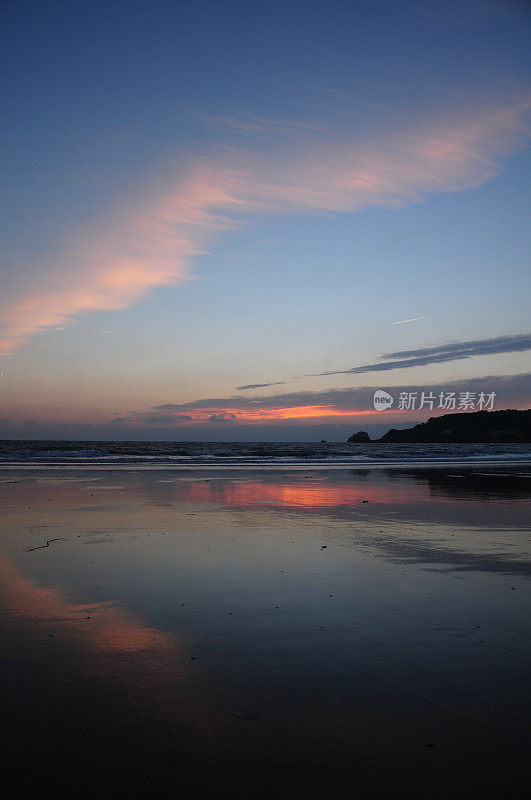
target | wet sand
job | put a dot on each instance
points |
(280, 634)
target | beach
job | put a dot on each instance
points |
(292, 632)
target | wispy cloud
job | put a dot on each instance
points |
(250, 123)
(154, 241)
(475, 347)
(405, 359)
(258, 385)
(454, 351)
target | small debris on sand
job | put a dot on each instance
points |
(48, 543)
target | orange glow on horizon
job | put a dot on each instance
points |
(291, 412)
(297, 412)
(185, 417)
(275, 414)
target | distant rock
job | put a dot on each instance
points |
(361, 437)
(479, 426)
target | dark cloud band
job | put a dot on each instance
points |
(404, 359)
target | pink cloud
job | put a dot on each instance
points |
(154, 241)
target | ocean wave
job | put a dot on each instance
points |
(253, 453)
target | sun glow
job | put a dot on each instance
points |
(300, 412)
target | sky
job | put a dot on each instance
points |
(236, 221)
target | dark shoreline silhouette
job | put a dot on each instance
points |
(508, 426)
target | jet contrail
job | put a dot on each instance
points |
(413, 319)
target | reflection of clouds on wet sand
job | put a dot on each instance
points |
(313, 489)
(474, 484)
(115, 644)
(426, 552)
(442, 519)
(438, 517)
(298, 494)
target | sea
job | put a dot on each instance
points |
(257, 455)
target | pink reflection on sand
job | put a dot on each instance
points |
(148, 663)
(111, 628)
(291, 494)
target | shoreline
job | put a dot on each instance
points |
(316, 466)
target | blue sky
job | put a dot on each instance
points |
(200, 196)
